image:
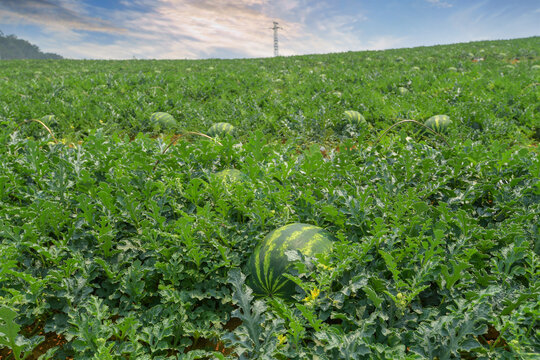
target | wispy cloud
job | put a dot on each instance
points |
(206, 28)
(482, 21)
(439, 3)
(60, 14)
(185, 28)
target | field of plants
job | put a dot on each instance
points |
(120, 237)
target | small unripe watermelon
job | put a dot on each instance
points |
(220, 129)
(439, 123)
(354, 117)
(162, 121)
(48, 119)
(403, 90)
(269, 261)
(230, 176)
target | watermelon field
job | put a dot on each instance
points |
(360, 205)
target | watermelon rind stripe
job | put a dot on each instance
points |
(270, 245)
(294, 236)
(279, 285)
(311, 247)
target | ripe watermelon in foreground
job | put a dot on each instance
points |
(269, 262)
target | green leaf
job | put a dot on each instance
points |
(9, 333)
(372, 295)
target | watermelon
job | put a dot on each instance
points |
(354, 117)
(269, 261)
(439, 123)
(48, 119)
(220, 129)
(535, 67)
(403, 90)
(230, 176)
(162, 120)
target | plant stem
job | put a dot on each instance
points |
(413, 121)
(45, 126)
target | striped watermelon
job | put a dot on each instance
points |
(162, 121)
(269, 261)
(354, 117)
(439, 123)
(220, 129)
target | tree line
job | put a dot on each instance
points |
(12, 47)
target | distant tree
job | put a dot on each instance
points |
(12, 47)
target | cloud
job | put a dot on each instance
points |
(439, 3)
(59, 15)
(192, 29)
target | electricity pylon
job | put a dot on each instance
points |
(276, 46)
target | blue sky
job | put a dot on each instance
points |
(198, 29)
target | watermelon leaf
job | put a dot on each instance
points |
(255, 337)
(9, 334)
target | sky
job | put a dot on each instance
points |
(202, 29)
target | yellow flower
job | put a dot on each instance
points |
(325, 267)
(313, 295)
(282, 338)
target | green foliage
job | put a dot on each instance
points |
(437, 250)
(252, 340)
